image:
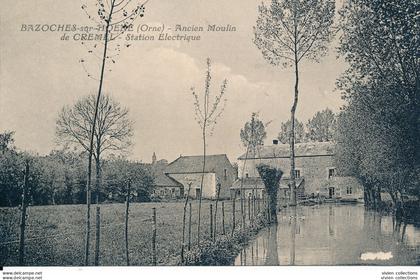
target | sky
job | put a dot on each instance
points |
(39, 74)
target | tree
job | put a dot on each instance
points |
(378, 130)
(288, 31)
(286, 128)
(6, 141)
(271, 178)
(112, 134)
(11, 171)
(252, 137)
(253, 133)
(207, 114)
(113, 15)
(118, 171)
(321, 127)
(76, 125)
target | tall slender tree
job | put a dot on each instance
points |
(288, 31)
(207, 113)
(252, 136)
(109, 15)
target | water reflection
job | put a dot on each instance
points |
(272, 252)
(333, 235)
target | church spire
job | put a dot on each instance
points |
(154, 158)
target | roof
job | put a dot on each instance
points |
(163, 180)
(257, 182)
(301, 150)
(248, 183)
(194, 164)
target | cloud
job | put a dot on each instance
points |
(156, 88)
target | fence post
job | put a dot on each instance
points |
(211, 223)
(98, 234)
(223, 218)
(127, 205)
(189, 229)
(215, 210)
(23, 217)
(154, 236)
(233, 214)
(249, 209)
(183, 223)
(258, 205)
(254, 204)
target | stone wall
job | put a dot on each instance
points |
(209, 183)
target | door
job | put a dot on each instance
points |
(331, 192)
(197, 193)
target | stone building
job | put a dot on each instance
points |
(315, 171)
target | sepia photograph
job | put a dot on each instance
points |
(173, 133)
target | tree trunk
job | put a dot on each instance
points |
(98, 209)
(215, 210)
(183, 223)
(292, 137)
(89, 179)
(201, 185)
(242, 189)
(127, 209)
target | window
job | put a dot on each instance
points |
(225, 173)
(349, 190)
(331, 172)
(246, 175)
(297, 173)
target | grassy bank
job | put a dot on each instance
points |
(55, 234)
(225, 248)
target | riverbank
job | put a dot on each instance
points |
(225, 248)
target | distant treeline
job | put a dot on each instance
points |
(60, 177)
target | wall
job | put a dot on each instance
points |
(341, 186)
(225, 182)
(209, 183)
(167, 192)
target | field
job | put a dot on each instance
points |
(55, 234)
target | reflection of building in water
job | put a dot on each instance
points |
(315, 172)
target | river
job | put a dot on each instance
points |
(333, 234)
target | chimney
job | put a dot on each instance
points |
(275, 142)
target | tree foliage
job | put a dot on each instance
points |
(119, 172)
(11, 171)
(321, 128)
(6, 141)
(286, 128)
(289, 30)
(113, 131)
(253, 133)
(271, 178)
(378, 131)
